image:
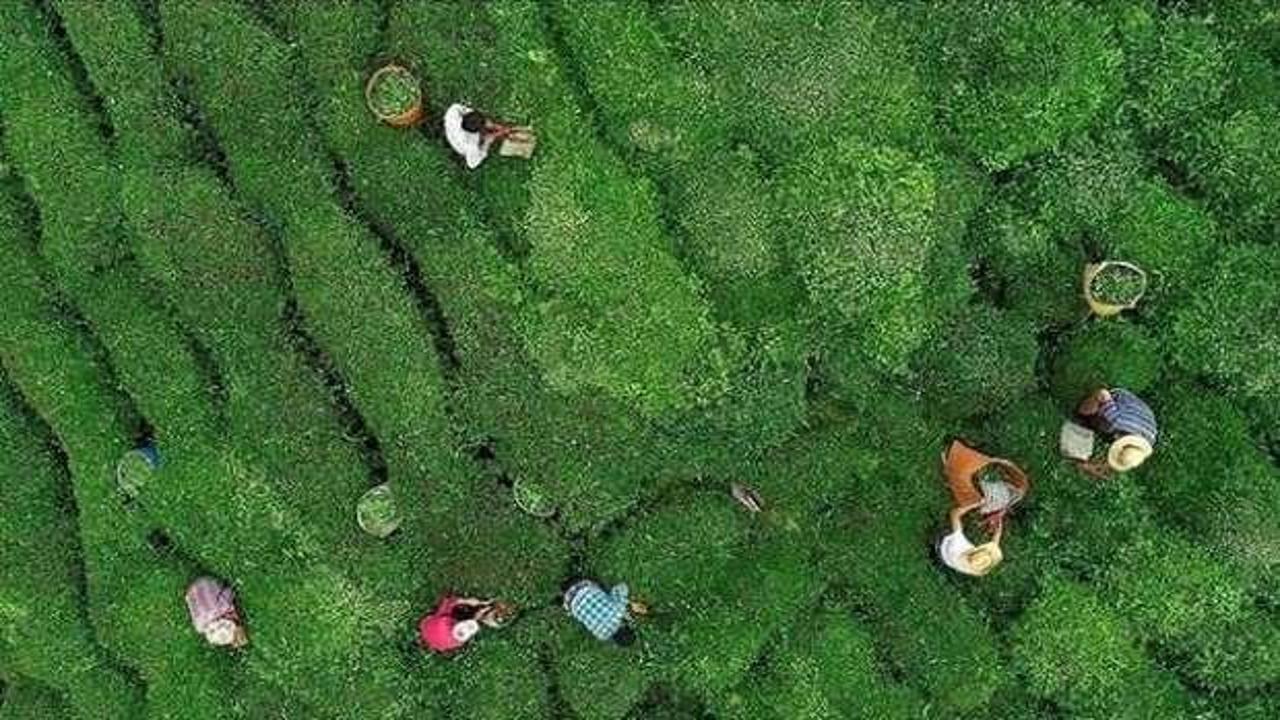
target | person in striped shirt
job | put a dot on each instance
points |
(1128, 421)
(212, 607)
(603, 614)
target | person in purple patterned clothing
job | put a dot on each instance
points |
(212, 606)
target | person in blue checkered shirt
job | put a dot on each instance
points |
(1130, 424)
(603, 614)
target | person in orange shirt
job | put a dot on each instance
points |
(989, 485)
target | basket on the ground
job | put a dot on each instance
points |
(532, 498)
(394, 96)
(135, 468)
(1113, 286)
(376, 512)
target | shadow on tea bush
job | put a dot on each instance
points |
(1103, 353)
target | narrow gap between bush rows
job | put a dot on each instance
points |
(557, 707)
(66, 310)
(355, 429)
(79, 75)
(149, 11)
(405, 265)
(211, 374)
(205, 148)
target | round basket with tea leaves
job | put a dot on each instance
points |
(376, 511)
(532, 498)
(394, 95)
(1112, 286)
(136, 468)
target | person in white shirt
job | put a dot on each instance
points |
(464, 128)
(958, 553)
(471, 134)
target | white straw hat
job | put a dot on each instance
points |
(983, 558)
(465, 630)
(1128, 452)
(221, 632)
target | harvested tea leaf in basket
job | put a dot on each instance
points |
(1118, 285)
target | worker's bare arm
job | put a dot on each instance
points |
(1090, 405)
(958, 513)
(1096, 468)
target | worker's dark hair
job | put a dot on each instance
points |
(473, 121)
(464, 612)
(625, 637)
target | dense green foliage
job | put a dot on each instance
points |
(791, 245)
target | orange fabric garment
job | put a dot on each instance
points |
(961, 465)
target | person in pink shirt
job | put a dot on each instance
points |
(212, 607)
(455, 621)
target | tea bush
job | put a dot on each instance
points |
(1167, 235)
(28, 700)
(1020, 261)
(797, 247)
(716, 196)
(1228, 155)
(713, 617)
(577, 207)
(1075, 187)
(715, 192)
(1227, 328)
(868, 251)
(1021, 77)
(1176, 66)
(213, 496)
(979, 362)
(1184, 599)
(666, 357)
(1077, 653)
(1208, 460)
(1104, 354)
(847, 74)
(1253, 21)
(385, 336)
(357, 305)
(271, 397)
(598, 680)
(824, 669)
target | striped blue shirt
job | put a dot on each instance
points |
(1127, 414)
(602, 613)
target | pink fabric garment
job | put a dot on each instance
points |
(436, 630)
(208, 601)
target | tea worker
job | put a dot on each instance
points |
(604, 614)
(992, 485)
(212, 607)
(1130, 424)
(960, 554)
(454, 622)
(471, 134)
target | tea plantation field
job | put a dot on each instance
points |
(796, 246)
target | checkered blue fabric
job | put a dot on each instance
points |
(1127, 414)
(601, 613)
